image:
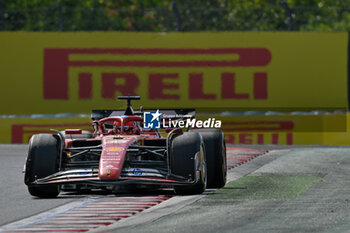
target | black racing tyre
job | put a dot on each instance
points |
(184, 148)
(84, 134)
(42, 161)
(215, 150)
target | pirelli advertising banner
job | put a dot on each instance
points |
(77, 72)
(323, 129)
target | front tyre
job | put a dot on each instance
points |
(42, 161)
(215, 150)
(188, 160)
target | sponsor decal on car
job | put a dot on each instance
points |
(115, 149)
(119, 141)
(137, 172)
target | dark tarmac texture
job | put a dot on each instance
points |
(15, 201)
(304, 190)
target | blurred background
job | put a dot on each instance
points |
(274, 72)
(181, 15)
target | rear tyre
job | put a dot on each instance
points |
(42, 161)
(188, 160)
(215, 150)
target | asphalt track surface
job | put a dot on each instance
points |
(15, 203)
(304, 189)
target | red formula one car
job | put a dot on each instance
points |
(122, 154)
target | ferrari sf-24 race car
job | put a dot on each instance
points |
(121, 153)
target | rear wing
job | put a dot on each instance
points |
(100, 114)
(170, 114)
(173, 114)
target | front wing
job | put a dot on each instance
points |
(89, 176)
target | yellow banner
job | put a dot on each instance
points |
(288, 129)
(325, 129)
(19, 130)
(77, 72)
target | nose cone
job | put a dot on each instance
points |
(113, 156)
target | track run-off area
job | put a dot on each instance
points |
(269, 189)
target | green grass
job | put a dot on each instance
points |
(266, 187)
